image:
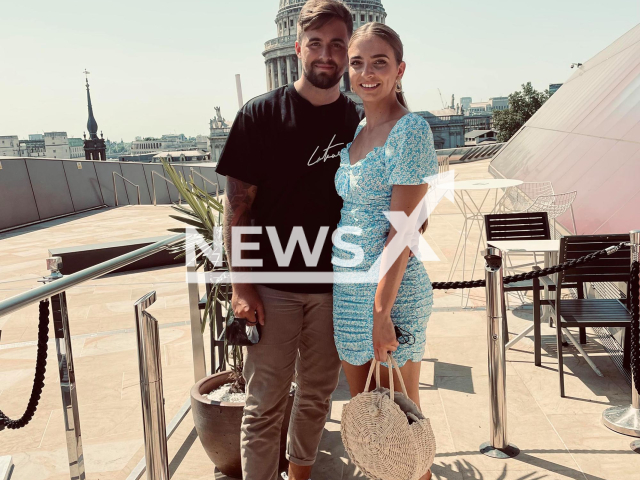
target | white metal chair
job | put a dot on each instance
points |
(443, 164)
(521, 197)
(555, 205)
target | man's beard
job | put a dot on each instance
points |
(323, 80)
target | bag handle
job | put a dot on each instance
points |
(392, 363)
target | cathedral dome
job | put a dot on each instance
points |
(364, 11)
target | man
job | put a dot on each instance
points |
(280, 161)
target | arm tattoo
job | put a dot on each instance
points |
(238, 201)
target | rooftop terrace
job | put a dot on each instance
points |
(559, 438)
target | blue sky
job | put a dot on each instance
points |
(161, 66)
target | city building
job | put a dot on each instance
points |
(33, 148)
(553, 88)
(182, 156)
(142, 157)
(476, 137)
(282, 64)
(202, 143)
(9, 146)
(94, 147)
(56, 145)
(465, 102)
(167, 142)
(479, 108)
(147, 145)
(478, 122)
(448, 130)
(76, 147)
(450, 127)
(218, 132)
(36, 136)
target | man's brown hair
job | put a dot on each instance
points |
(317, 13)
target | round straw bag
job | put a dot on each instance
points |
(384, 432)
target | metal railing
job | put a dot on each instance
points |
(115, 190)
(56, 288)
(153, 186)
(204, 185)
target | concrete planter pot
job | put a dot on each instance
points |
(218, 426)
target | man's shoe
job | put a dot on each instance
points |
(285, 476)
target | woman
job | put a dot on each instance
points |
(383, 169)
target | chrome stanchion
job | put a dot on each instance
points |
(197, 342)
(498, 446)
(626, 420)
(67, 373)
(150, 364)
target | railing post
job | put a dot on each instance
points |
(153, 186)
(197, 342)
(115, 189)
(150, 365)
(498, 445)
(626, 419)
(67, 373)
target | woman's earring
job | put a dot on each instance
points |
(398, 87)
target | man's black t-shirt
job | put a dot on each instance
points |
(290, 150)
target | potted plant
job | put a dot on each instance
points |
(218, 420)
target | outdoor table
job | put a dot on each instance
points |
(551, 250)
(472, 211)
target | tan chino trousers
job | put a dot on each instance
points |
(297, 338)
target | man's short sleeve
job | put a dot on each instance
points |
(240, 157)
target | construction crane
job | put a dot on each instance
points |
(441, 100)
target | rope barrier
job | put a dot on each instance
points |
(634, 329)
(38, 380)
(534, 273)
(634, 284)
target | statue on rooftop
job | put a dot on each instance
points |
(219, 121)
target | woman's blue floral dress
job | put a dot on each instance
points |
(407, 158)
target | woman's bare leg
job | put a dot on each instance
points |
(357, 377)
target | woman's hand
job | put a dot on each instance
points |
(384, 336)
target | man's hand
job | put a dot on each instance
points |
(246, 303)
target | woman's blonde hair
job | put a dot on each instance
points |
(388, 34)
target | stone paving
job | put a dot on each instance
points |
(559, 438)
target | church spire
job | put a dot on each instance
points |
(94, 147)
(92, 125)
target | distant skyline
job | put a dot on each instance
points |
(161, 67)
